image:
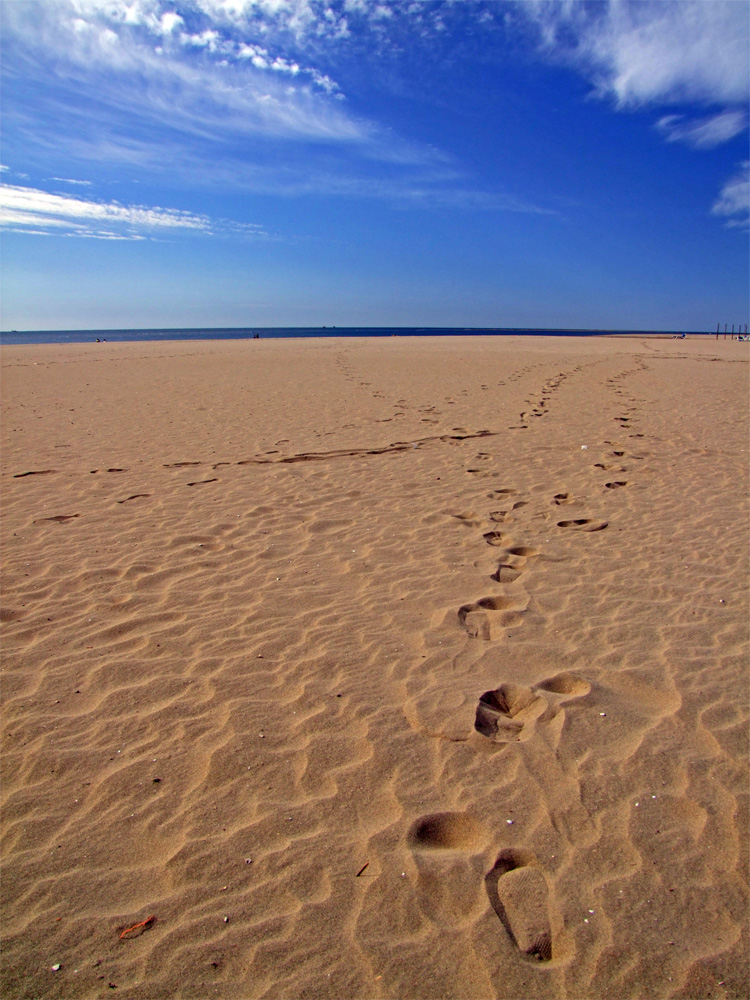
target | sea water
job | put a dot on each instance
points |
(251, 333)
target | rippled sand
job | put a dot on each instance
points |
(407, 668)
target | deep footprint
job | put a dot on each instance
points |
(509, 714)
(494, 537)
(448, 831)
(506, 573)
(479, 624)
(518, 893)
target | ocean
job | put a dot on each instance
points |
(250, 333)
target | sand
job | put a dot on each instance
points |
(402, 668)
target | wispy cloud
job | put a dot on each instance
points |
(147, 64)
(234, 89)
(734, 201)
(703, 133)
(651, 52)
(37, 212)
(70, 180)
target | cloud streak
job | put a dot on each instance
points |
(37, 212)
(703, 133)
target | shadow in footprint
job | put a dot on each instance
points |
(518, 893)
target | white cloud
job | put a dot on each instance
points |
(703, 133)
(31, 210)
(651, 52)
(734, 200)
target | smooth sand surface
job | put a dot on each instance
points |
(403, 668)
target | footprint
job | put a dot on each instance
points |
(135, 496)
(562, 498)
(583, 524)
(449, 858)
(447, 831)
(467, 517)
(616, 485)
(565, 683)
(200, 482)
(523, 551)
(510, 713)
(519, 895)
(506, 573)
(481, 625)
(494, 537)
(36, 472)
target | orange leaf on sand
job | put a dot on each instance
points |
(136, 929)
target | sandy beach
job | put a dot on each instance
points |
(396, 668)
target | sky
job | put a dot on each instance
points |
(240, 163)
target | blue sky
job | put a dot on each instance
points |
(305, 163)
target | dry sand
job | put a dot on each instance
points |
(406, 668)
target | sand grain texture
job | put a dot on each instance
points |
(404, 668)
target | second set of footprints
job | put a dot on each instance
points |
(487, 617)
